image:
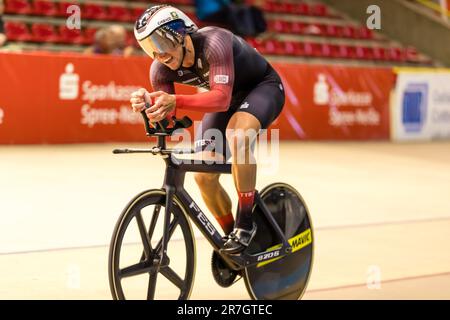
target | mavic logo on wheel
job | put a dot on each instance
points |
(203, 219)
(297, 242)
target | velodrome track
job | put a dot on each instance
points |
(380, 210)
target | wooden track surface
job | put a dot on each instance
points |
(380, 211)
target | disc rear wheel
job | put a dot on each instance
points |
(286, 277)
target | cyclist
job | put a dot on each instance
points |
(245, 93)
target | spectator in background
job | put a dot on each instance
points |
(110, 40)
(102, 43)
(2, 27)
(119, 41)
(241, 19)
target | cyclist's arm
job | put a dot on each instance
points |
(219, 53)
(160, 79)
(2, 28)
(2, 39)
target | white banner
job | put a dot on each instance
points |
(421, 107)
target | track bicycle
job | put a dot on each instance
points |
(276, 265)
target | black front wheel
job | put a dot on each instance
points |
(136, 270)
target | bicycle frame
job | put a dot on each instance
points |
(174, 186)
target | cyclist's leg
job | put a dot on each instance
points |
(216, 199)
(242, 132)
(213, 193)
(258, 110)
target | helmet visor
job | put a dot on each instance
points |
(163, 40)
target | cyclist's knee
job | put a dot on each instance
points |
(240, 143)
(206, 180)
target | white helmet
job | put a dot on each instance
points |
(161, 28)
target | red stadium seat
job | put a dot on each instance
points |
(260, 46)
(267, 48)
(279, 26)
(89, 35)
(411, 55)
(285, 7)
(325, 50)
(251, 41)
(270, 47)
(43, 32)
(279, 47)
(330, 50)
(302, 9)
(364, 53)
(17, 7)
(176, 2)
(332, 30)
(289, 7)
(379, 53)
(349, 31)
(364, 33)
(269, 6)
(335, 51)
(17, 31)
(44, 8)
(319, 10)
(347, 52)
(120, 13)
(396, 54)
(315, 29)
(312, 49)
(297, 27)
(257, 44)
(95, 11)
(277, 7)
(62, 8)
(273, 47)
(72, 36)
(136, 12)
(292, 48)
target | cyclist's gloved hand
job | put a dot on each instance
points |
(139, 98)
(164, 106)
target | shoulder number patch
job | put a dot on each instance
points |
(221, 79)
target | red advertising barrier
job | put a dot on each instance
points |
(335, 102)
(67, 99)
(50, 98)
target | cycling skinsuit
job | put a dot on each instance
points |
(238, 77)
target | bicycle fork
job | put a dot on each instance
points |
(164, 260)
